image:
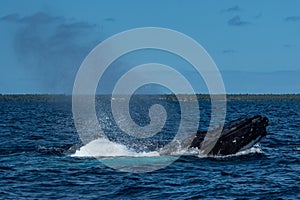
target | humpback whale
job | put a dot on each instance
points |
(236, 136)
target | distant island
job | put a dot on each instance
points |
(167, 97)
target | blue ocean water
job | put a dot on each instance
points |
(38, 139)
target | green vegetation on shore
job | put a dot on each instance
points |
(168, 97)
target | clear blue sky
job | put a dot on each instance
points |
(255, 44)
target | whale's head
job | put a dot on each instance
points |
(240, 134)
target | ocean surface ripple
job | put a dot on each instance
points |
(39, 141)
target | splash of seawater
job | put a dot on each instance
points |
(102, 148)
(105, 148)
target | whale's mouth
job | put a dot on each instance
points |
(251, 144)
(237, 135)
(240, 135)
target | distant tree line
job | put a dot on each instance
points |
(167, 97)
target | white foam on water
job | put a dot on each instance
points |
(186, 152)
(105, 148)
(256, 149)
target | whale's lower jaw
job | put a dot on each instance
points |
(251, 144)
(236, 136)
(229, 148)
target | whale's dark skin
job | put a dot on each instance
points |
(236, 135)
